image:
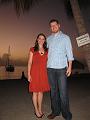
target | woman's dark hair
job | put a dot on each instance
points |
(53, 20)
(36, 47)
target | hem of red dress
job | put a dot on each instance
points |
(40, 91)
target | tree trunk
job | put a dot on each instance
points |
(81, 29)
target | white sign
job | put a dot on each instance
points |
(83, 40)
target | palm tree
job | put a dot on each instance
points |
(26, 5)
(81, 28)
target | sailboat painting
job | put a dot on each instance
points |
(9, 67)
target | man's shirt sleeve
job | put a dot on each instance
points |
(69, 49)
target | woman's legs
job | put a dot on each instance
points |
(35, 103)
(40, 98)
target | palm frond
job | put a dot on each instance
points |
(20, 5)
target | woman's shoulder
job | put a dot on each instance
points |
(32, 49)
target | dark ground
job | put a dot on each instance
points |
(16, 102)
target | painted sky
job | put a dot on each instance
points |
(20, 33)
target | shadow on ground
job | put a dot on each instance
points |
(16, 102)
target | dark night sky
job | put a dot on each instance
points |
(20, 33)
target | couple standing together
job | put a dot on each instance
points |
(49, 64)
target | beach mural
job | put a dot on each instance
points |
(20, 71)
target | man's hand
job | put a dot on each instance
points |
(68, 72)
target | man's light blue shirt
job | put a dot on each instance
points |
(59, 50)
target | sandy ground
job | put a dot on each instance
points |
(16, 102)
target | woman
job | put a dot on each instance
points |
(37, 73)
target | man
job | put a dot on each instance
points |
(59, 66)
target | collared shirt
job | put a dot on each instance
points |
(59, 50)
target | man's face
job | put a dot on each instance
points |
(55, 27)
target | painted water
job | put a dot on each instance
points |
(13, 75)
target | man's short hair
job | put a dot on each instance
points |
(53, 20)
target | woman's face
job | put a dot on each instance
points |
(41, 40)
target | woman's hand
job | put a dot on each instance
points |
(29, 78)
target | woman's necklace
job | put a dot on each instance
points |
(41, 51)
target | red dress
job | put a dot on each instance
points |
(38, 73)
